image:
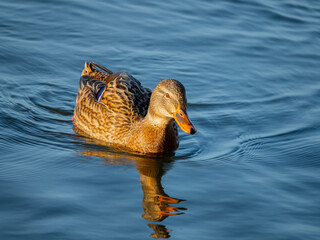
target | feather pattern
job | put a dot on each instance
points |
(123, 102)
(114, 108)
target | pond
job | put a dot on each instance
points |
(251, 73)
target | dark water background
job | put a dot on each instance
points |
(252, 74)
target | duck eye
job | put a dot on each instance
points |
(167, 95)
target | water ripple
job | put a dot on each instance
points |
(251, 71)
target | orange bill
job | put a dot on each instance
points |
(183, 121)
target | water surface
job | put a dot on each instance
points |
(251, 71)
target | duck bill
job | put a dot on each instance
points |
(183, 121)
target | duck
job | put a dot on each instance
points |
(113, 107)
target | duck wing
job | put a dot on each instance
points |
(114, 99)
(125, 95)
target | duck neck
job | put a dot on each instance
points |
(156, 134)
(157, 121)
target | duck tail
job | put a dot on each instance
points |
(102, 68)
(88, 68)
(94, 67)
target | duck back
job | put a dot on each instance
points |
(108, 104)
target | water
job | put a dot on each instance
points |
(251, 71)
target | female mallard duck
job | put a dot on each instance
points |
(115, 108)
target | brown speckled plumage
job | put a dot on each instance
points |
(114, 108)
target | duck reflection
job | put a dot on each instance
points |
(155, 203)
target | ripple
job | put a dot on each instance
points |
(294, 147)
(288, 144)
(41, 116)
(251, 70)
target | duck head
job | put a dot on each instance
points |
(168, 101)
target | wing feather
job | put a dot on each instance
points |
(109, 100)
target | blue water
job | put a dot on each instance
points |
(252, 74)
